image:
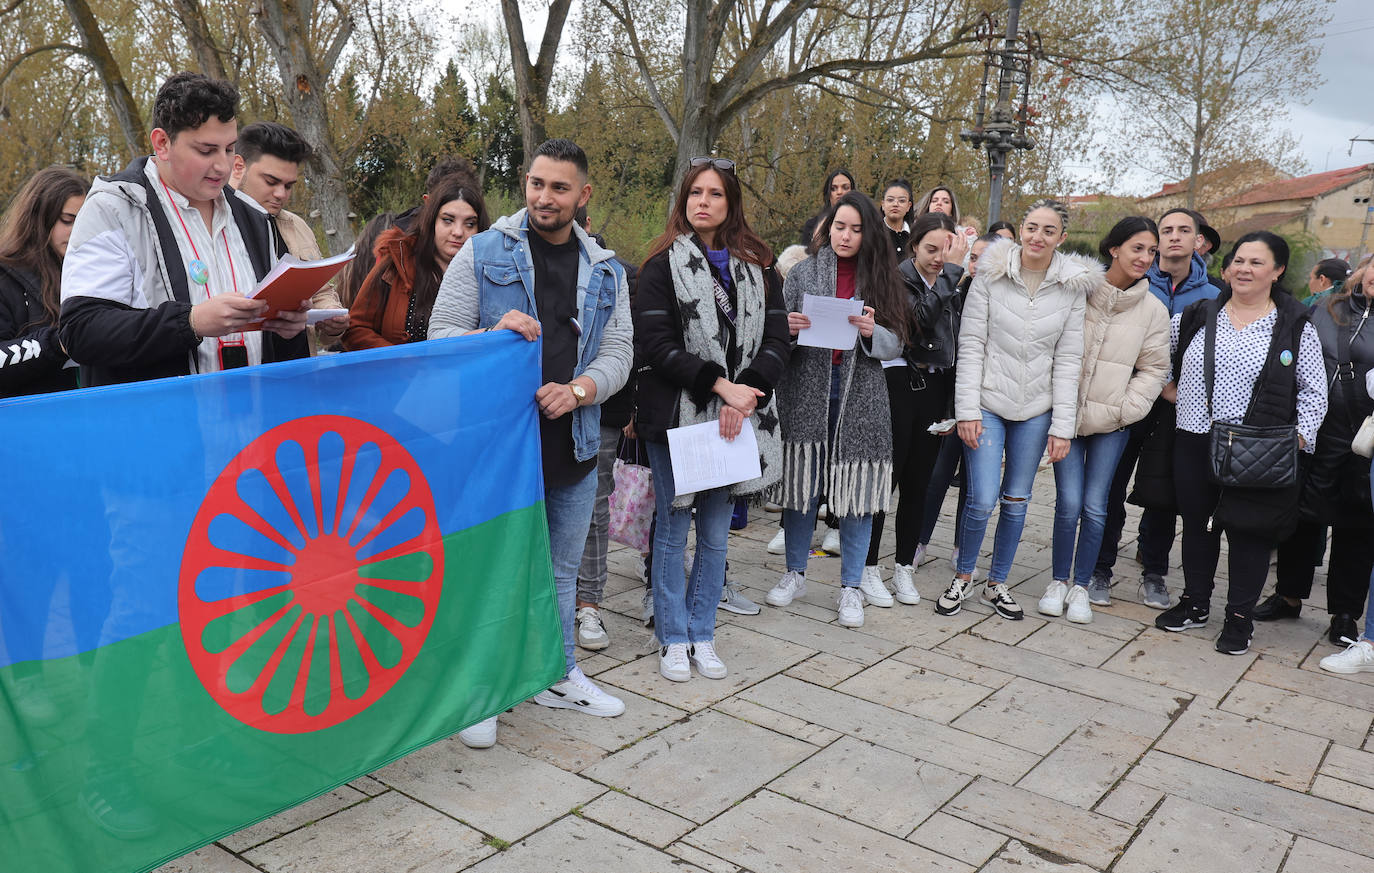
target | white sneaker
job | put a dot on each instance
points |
(481, 735)
(1053, 601)
(591, 635)
(792, 585)
(1358, 658)
(672, 662)
(1079, 611)
(580, 693)
(704, 658)
(831, 543)
(778, 544)
(851, 607)
(871, 584)
(903, 580)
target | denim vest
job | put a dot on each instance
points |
(505, 281)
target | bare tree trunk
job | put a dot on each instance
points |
(122, 104)
(198, 35)
(532, 79)
(287, 31)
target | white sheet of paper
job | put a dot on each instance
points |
(315, 316)
(703, 460)
(830, 327)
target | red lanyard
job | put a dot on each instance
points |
(233, 277)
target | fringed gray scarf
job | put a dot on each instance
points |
(703, 337)
(854, 471)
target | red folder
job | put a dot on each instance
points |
(293, 282)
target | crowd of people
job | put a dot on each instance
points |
(976, 355)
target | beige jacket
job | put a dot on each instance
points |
(1125, 356)
(300, 241)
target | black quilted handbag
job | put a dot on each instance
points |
(1251, 456)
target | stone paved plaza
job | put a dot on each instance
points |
(916, 743)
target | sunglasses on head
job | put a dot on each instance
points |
(719, 163)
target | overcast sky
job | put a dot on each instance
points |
(1344, 105)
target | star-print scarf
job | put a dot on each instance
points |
(705, 336)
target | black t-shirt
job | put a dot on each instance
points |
(555, 297)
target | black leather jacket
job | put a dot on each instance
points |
(936, 312)
(1337, 488)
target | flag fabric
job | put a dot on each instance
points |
(223, 595)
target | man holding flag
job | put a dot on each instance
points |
(536, 273)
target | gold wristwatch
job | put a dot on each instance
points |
(578, 392)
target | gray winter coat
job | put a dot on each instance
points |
(1020, 356)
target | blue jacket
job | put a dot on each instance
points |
(492, 274)
(1198, 286)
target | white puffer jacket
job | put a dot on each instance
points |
(1125, 356)
(1020, 356)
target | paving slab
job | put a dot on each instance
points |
(385, 834)
(1309, 856)
(1328, 686)
(575, 845)
(1310, 715)
(367, 785)
(1086, 765)
(1017, 857)
(312, 810)
(699, 768)
(1278, 807)
(908, 734)
(819, 636)
(878, 787)
(1344, 792)
(1029, 715)
(705, 860)
(642, 716)
(1312, 662)
(781, 722)
(1246, 746)
(750, 657)
(497, 790)
(915, 690)
(211, 859)
(945, 665)
(916, 625)
(1129, 802)
(554, 744)
(644, 822)
(1069, 642)
(1187, 661)
(999, 630)
(961, 840)
(814, 841)
(1181, 829)
(1350, 765)
(825, 669)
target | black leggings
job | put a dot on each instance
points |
(914, 450)
(1248, 557)
(1347, 575)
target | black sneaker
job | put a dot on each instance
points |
(1342, 631)
(1182, 616)
(1235, 635)
(999, 598)
(1275, 607)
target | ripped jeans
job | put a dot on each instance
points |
(1023, 444)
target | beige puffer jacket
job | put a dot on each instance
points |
(1125, 356)
(1020, 356)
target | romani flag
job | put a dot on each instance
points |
(223, 595)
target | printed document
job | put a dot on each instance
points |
(702, 459)
(830, 327)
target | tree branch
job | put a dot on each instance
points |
(38, 50)
(626, 19)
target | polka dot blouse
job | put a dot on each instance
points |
(1240, 357)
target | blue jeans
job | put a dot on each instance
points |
(1023, 442)
(685, 609)
(1082, 482)
(569, 511)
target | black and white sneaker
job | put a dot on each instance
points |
(1182, 616)
(1236, 634)
(953, 599)
(999, 598)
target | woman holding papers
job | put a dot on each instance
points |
(395, 300)
(712, 333)
(1016, 387)
(837, 437)
(920, 389)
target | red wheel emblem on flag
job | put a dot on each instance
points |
(311, 574)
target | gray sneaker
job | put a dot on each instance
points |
(1100, 590)
(1153, 592)
(731, 600)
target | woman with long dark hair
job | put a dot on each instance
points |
(920, 385)
(712, 334)
(837, 184)
(395, 300)
(836, 427)
(1125, 363)
(1250, 356)
(33, 242)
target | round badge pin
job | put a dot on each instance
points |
(1285, 357)
(200, 274)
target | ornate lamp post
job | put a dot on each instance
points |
(1004, 128)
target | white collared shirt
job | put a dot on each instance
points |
(222, 250)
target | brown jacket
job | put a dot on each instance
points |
(1125, 356)
(378, 315)
(300, 241)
